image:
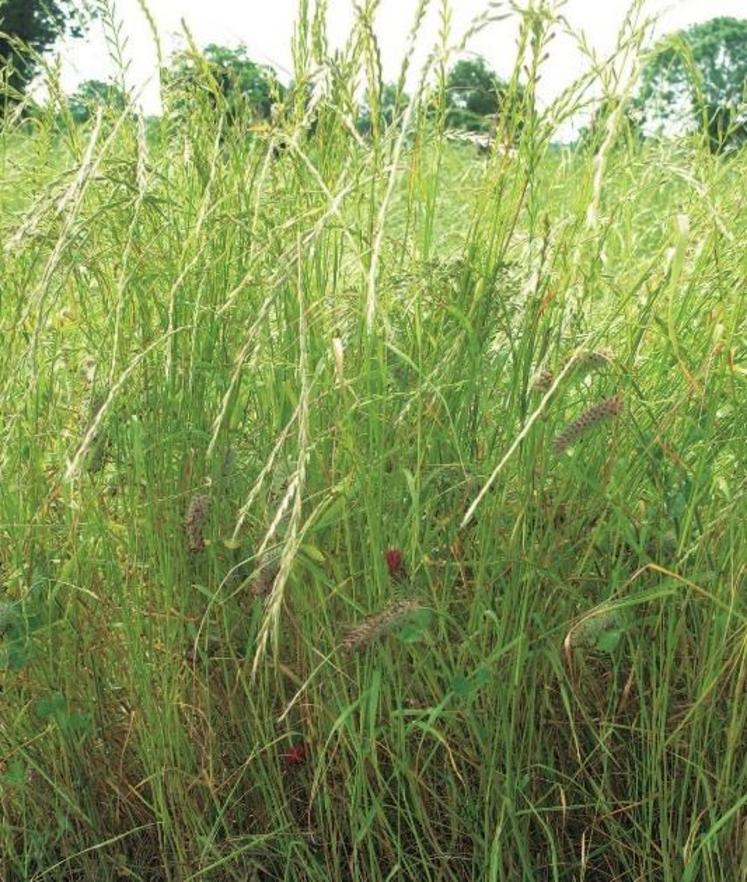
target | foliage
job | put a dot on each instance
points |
(473, 95)
(699, 77)
(228, 79)
(32, 25)
(725, 126)
(390, 104)
(628, 128)
(478, 101)
(93, 93)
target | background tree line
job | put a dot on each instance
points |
(695, 79)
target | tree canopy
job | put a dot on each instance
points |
(698, 77)
(477, 100)
(93, 93)
(628, 125)
(229, 79)
(390, 104)
(473, 95)
(35, 24)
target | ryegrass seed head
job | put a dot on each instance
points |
(195, 522)
(606, 410)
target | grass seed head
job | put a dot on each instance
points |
(592, 360)
(376, 626)
(195, 521)
(338, 352)
(542, 380)
(88, 370)
(606, 410)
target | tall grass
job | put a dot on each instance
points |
(261, 406)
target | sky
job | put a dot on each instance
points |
(266, 28)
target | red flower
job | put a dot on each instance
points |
(297, 754)
(394, 562)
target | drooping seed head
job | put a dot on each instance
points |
(609, 409)
(592, 360)
(377, 625)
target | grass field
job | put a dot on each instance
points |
(371, 511)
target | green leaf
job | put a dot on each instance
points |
(466, 686)
(17, 656)
(75, 723)
(609, 640)
(63, 823)
(416, 627)
(206, 592)
(461, 686)
(15, 774)
(313, 552)
(52, 706)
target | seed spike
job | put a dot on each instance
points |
(609, 409)
(195, 522)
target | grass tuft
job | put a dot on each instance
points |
(314, 348)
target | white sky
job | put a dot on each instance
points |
(266, 28)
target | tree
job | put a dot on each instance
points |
(34, 25)
(391, 104)
(243, 80)
(229, 80)
(629, 130)
(93, 93)
(697, 79)
(474, 95)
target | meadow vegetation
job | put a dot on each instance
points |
(371, 510)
